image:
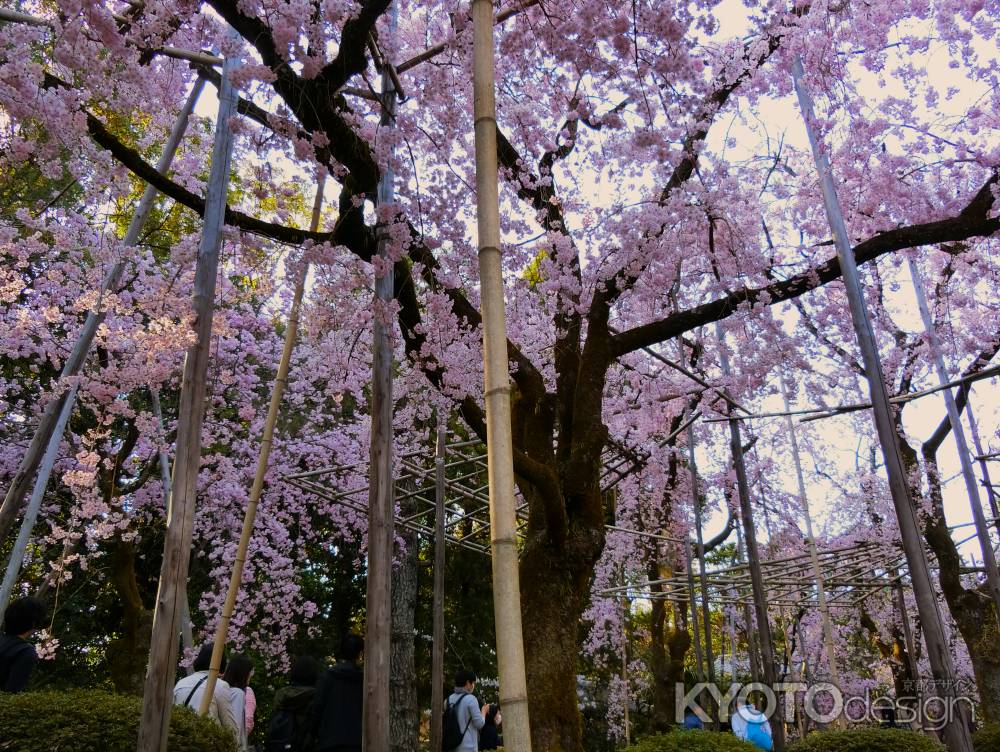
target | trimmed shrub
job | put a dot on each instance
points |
(987, 739)
(87, 720)
(867, 740)
(692, 741)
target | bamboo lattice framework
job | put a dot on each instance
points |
(851, 574)
(467, 513)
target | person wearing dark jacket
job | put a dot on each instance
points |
(337, 711)
(18, 656)
(295, 700)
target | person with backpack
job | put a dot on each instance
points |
(463, 718)
(337, 712)
(289, 729)
(751, 725)
(18, 656)
(189, 690)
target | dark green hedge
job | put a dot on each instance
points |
(86, 720)
(867, 740)
(987, 739)
(692, 741)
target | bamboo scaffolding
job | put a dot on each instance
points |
(263, 457)
(44, 432)
(753, 555)
(157, 701)
(821, 413)
(503, 527)
(956, 730)
(982, 460)
(437, 647)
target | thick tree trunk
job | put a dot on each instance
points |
(404, 718)
(128, 652)
(555, 588)
(895, 654)
(668, 650)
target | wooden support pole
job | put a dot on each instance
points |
(18, 488)
(911, 647)
(157, 699)
(440, 545)
(991, 494)
(956, 730)
(753, 554)
(187, 635)
(625, 682)
(381, 504)
(499, 442)
(961, 446)
(16, 559)
(753, 654)
(824, 607)
(263, 458)
(700, 537)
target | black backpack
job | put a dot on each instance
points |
(283, 733)
(451, 733)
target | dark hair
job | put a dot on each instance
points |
(463, 676)
(238, 673)
(351, 648)
(305, 671)
(491, 714)
(23, 615)
(204, 659)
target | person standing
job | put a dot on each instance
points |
(471, 718)
(751, 725)
(18, 656)
(489, 737)
(189, 690)
(237, 676)
(337, 711)
(289, 728)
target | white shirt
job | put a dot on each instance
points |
(190, 689)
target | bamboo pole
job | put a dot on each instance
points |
(753, 554)
(984, 468)
(381, 504)
(911, 648)
(693, 605)
(18, 489)
(35, 503)
(503, 522)
(956, 730)
(187, 636)
(263, 457)
(157, 700)
(824, 608)
(961, 446)
(753, 657)
(437, 646)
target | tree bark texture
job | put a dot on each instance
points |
(404, 716)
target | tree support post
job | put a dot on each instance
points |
(157, 699)
(702, 574)
(499, 442)
(753, 553)
(824, 607)
(693, 600)
(263, 457)
(35, 503)
(18, 489)
(961, 446)
(437, 646)
(956, 730)
(381, 501)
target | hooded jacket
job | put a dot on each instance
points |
(338, 708)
